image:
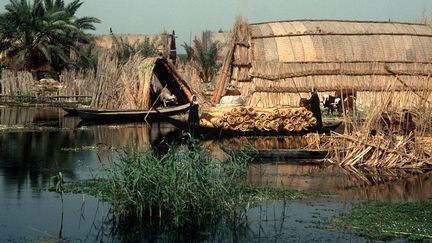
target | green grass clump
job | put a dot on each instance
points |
(183, 185)
(385, 221)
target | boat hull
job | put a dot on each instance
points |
(130, 115)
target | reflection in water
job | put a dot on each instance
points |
(29, 115)
(123, 136)
(281, 142)
(50, 143)
(138, 136)
(385, 185)
(265, 222)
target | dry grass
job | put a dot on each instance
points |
(189, 73)
(122, 86)
(372, 143)
(16, 83)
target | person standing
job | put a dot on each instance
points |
(315, 107)
(193, 117)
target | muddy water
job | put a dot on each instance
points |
(36, 143)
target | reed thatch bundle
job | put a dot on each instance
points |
(123, 86)
(245, 118)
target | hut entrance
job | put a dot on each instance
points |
(165, 86)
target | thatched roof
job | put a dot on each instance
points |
(341, 41)
(292, 56)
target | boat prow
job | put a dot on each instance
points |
(70, 111)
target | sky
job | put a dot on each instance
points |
(190, 17)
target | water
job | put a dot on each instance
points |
(36, 143)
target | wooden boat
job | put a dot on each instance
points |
(131, 115)
(71, 111)
(201, 131)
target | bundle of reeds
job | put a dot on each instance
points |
(245, 118)
(123, 86)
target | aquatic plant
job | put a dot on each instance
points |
(386, 221)
(183, 185)
(59, 182)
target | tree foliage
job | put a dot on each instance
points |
(125, 49)
(43, 32)
(203, 56)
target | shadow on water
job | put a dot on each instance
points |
(383, 185)
(389, 185)
(37, 143)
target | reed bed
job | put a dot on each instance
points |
(15, 83)
(77, 82)
(243, 118)
(72, 84)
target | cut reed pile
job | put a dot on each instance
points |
(245, 119)
(388, 138)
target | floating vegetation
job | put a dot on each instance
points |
(388, 221)
(11, 127)
(78, 149)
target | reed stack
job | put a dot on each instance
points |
(243, 118)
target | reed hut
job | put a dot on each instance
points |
(273, 62)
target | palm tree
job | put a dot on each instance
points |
(203, 56)
(125, 49)
(44, 32)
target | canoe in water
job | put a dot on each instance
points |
(131, 115)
